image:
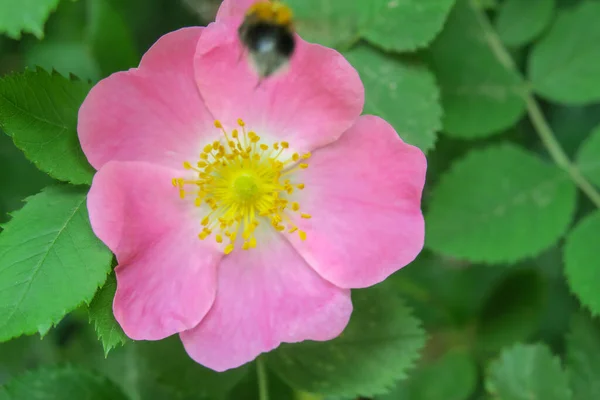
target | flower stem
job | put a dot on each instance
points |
(536, 116)
(263, 382)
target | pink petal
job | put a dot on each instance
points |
(266, 296)
(152, 113)
(311, 104)
(166, 278)
(233, 8)
(364, 195)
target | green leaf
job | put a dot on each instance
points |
(563, 66)
(50, 261)
(331, 23)
(588, 159)
(527, 372)
(168, 365)
(582, 259)
(454, 374)
(110, 38)
(101, 314)
(512, 312)
(25, 16)
(583, 363)
(405, 95)
(405, 25)
(499, 204)
(61, 384)
(521, 21)
(381, 342)
(39, 111)
(65, 56)
(479, 96)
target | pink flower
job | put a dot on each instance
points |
(239, 244)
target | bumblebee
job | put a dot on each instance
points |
(267, 34)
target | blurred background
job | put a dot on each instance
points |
(472, 307)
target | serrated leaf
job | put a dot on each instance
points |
(168, 365)
(50, 261)
(381, 342)
(27, 16)
(480, 97)
(110, 38)
(588, 157)
(39, 111)
(499, 204)
(582, 260)
(101, 314)
(64, 56)
(61, 384)
(405, 25)
(454, 374)
(521, 21)
(527, 372)
(563, 66)
(405, 95)
(583, 363)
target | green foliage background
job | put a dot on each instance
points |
(502, 95)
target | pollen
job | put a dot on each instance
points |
(243, 184)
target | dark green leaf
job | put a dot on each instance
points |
(381, 342)
(39, 111)
(405, 95)
(64, 383)
(583, 363)
(588, 157)
(499, 204)
(101, 314)
(480, 96)
(527, 372)
(50, 262)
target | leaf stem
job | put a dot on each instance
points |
(534, 111)
(263, 382)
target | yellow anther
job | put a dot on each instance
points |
(295, 156)
(203, 235)
(303, 166)
(202, 164)
(295, 206)
(264, 147)
(306, 216)
(174, 182)
(187, 165)
(293, 229)
(300, 186)
(306, 156)
(234, 134)
(219, 238)
(207, 148)
(218, 124)
(285, 145)
(246, 246)
(252, 242)
(302, 235)
(276, 146)
(228, 248)
(240, 122)
(205, 220)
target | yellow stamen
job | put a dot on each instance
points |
(243, 184)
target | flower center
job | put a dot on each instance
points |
(244, 183)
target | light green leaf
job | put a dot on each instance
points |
(405, 95)
(479, 96)
(583, 363)
(527, 372)
(39, 111)
(588, 157)
(331, 23)
(25, 16)
(563, 66)
(110, 38)
(582, 260)
(451, 377)
(381, 342)
(168, 365)
(499, 204)
(101, 314)
(521, 21)
(61, 384)
(50, 261)
(405, 25)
